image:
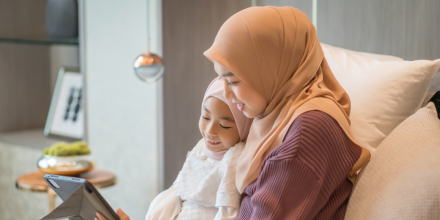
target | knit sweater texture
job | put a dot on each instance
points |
(305, 177)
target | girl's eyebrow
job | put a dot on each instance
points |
(228, 119)
(222, 118)
(204, 107)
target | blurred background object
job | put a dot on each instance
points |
(66, 114)
(148, 66)
(62, 18)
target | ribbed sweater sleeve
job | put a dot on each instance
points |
(305, 177)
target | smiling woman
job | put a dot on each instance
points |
(300, 149)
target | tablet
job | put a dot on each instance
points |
(80, 198)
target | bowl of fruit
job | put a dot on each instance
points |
(66, 159)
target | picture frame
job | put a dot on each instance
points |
(66, 113)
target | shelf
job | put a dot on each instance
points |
(73, 41)
(29, 138)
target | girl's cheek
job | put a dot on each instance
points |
(201, 126)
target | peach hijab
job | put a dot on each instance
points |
(275, 50)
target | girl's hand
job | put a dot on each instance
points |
(120, 213)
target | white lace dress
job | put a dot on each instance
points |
(204, 189)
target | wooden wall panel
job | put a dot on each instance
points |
(24, 86)
(303, 5)
(23, 19)
(24, 69)
(189, 28)
(403, 28)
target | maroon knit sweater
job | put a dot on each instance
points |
(305, 177)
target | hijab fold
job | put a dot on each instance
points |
(275, 50)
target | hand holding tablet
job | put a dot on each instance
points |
(120, 213)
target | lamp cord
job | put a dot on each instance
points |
(148, 26)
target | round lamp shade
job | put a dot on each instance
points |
(148, 67)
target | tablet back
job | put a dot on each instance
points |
(80, 199)
(63, 186)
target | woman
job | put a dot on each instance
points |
(301, 158)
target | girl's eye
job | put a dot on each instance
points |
(224, 127)
(205, 117)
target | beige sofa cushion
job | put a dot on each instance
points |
(402, 179)
(384, 90)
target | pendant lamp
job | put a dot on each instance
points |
(148, 66)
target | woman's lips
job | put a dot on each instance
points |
(212, 142)
(240, 107)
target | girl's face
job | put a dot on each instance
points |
(249, 101)
(217, 125)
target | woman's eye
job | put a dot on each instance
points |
(224, 127)
(231, 83)
(205, 117)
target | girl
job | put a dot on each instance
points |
(205, 187)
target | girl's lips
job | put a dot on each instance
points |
(240, 107)
(212, 142)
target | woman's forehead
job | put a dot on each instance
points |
(220, 69)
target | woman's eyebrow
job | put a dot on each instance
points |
(227, 74)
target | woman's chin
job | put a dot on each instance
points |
(249, 114)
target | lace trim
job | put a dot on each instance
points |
(203, 158)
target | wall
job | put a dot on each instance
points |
(403, 28)
(121, 110)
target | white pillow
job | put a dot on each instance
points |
(402, 179)
(382, 93)
(339, 51)
(343, 61)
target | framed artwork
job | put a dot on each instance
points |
(66, 113)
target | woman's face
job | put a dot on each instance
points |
(249, 101)
(218, 126)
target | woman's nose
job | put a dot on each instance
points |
(227, 92)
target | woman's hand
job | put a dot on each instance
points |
(120, 213)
